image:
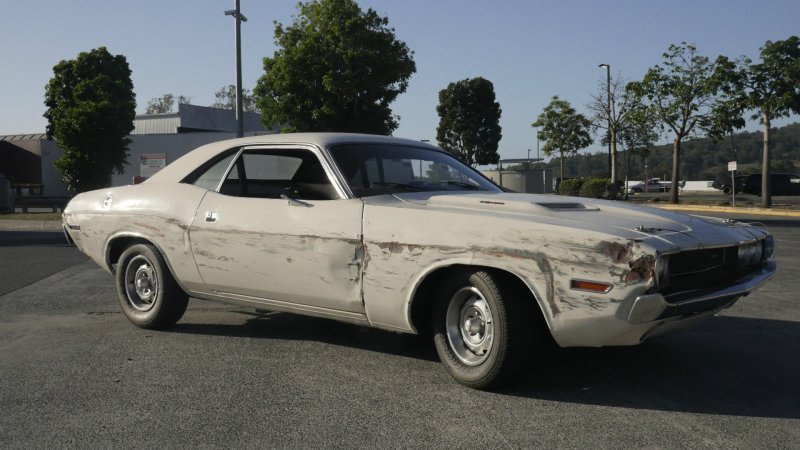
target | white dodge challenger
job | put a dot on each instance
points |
(399, 235)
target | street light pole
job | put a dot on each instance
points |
(528, 162)
(236, 13)
(608, 93)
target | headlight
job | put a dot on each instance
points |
(768, 248)
(749, 254)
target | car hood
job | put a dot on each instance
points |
(616, 218)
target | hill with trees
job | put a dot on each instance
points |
(702, 159)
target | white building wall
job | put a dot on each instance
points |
(52, 184)
(172, 145)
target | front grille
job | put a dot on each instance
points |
(704, 268)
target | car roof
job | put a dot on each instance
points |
(183, 166)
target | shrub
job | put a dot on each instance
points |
(570, 187)
(595, 188)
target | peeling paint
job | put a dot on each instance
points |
(644, 266)
(547, 270)
(618, 253)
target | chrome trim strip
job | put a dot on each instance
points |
(227, 171)
(70, 241)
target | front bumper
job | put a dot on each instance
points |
(654, 307)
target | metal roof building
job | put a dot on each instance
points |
(28, 159)
(192, 119)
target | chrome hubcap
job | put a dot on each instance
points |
(470, 328)
(141, 283)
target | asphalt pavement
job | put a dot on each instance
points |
(75, 373)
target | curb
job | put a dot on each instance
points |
(785, 212)
(30, 225)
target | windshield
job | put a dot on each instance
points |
(377, 169)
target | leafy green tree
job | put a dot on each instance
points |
(226, 99)
(683, 92)
(337, 68)
(563, 129)
(165, 104)
(770, 89)
(90, 110)
(469, 121)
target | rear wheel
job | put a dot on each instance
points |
(480, 330)
(148, 294)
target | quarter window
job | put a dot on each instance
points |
(210, 174)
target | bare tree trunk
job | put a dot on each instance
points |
(562, 166)
(676, 168)
(766, 186)
(614, 163)
(613, 156)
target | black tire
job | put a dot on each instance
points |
(148, 293)
(476, 301)
(726, 190)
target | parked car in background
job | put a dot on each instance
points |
(652, 185)
(780, 184)
(726, 187)
(400, 235)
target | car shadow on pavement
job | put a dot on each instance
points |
(725, 366)
(285, 326)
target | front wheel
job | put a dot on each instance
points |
(478, 331)
(148, 294)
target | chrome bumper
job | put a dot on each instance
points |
(653, 307)
(64, 227)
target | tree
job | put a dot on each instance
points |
(165, 104)
(337, 68)
(563, 129)
(226, 99)
(469, 124)
(90, 110)
(682, 91)
(610, 119)
(770, 89)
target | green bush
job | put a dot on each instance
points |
(595, 188)
(570, 187)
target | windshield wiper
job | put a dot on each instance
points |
(407, 187)
(465, 185)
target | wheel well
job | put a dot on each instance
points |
(425, 296)
(118, 245)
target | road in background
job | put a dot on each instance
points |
(76, 373)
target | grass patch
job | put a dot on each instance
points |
(53, 216)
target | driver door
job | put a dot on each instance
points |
(277, 229)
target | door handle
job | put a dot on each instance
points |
(211, 216)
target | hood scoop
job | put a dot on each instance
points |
(564, 206)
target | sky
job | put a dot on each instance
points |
(531, 50)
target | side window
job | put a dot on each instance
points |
(209, 176)
(271, 173)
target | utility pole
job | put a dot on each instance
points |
(239, 101)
